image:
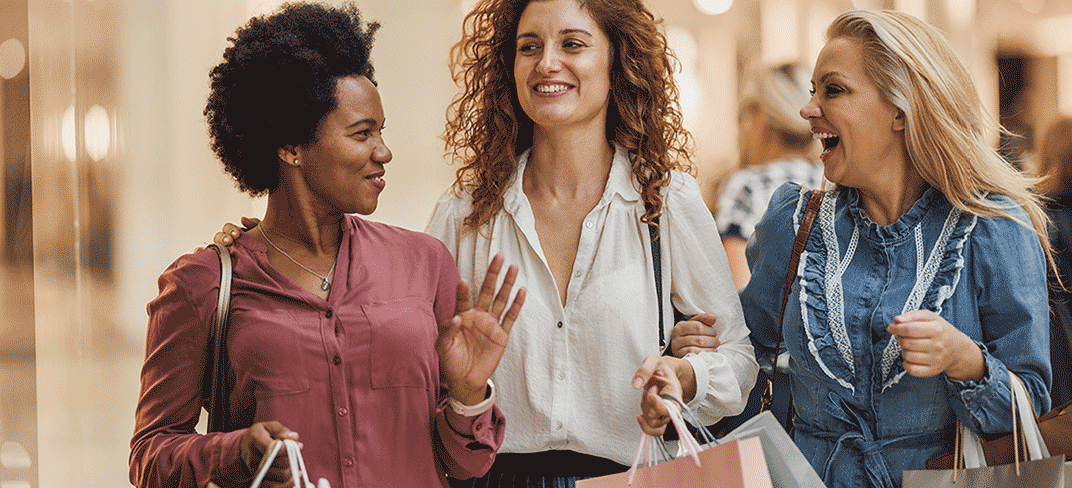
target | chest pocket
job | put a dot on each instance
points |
(403, 335)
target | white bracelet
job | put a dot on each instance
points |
(474, 410)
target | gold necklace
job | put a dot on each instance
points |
(324, 283)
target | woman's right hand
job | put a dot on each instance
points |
(696, 334)
(256, 442)
(231, 232)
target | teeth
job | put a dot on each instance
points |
(550, 88)
(822, 135)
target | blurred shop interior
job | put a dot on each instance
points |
(108, 177)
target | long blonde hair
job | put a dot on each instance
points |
(917, 70)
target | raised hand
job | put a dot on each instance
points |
(472, 342)
(256, 442)
(930, 345)
(695, 334)
(231, 232)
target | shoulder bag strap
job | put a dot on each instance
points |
(218, 402)
(657, 263)
(803, 232)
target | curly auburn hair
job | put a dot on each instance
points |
(276, 83)
(487, 129)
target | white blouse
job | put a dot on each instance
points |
(564, 380)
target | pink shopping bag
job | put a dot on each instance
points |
(735, 464)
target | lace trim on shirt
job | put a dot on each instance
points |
(835, 268)
(828, 284)
(926, 273)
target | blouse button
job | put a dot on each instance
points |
(588, 224)
(558, 425)
(348, 462)
(337, 360)
(329, 314)
(478, 427)
(561, 376)
(342, 411)
(560, 325)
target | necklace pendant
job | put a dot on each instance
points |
(324, 285)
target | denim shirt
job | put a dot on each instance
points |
(861, 420)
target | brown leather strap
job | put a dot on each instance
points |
(803, 232)
(798, 248)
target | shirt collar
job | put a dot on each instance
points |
(620, 181)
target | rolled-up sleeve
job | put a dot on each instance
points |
(465, 446)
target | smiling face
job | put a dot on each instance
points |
(344, 166)
(562, 65)
(861, 132)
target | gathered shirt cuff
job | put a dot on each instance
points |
(703, 376)
(474, 410)
(986, 401)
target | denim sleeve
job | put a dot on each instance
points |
(1009, 284)
(768, 255)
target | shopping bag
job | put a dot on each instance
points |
(787, 465)
(734, 464)
(298, 473)
(1040, 471)
(297, 465)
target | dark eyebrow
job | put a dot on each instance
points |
(561, 33)
(362, 121)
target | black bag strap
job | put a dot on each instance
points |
(657, 263)
(814, 200)
(217, 412)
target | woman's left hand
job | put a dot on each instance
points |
(930, 345)
(471, 343)
(658, 375)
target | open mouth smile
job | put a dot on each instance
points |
(829, 141)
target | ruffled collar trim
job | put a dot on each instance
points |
(900, 229)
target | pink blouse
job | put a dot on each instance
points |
(356, 376)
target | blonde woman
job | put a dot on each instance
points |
(924, 279)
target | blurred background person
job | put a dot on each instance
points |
(1055, 167)
(776, 147)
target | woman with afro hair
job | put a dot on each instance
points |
(358, 336)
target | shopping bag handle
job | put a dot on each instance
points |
(1021, 403)
(705, 435)
(297, 465)
(674, 407)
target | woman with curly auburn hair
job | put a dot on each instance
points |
(356, 335)
(572, 150)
